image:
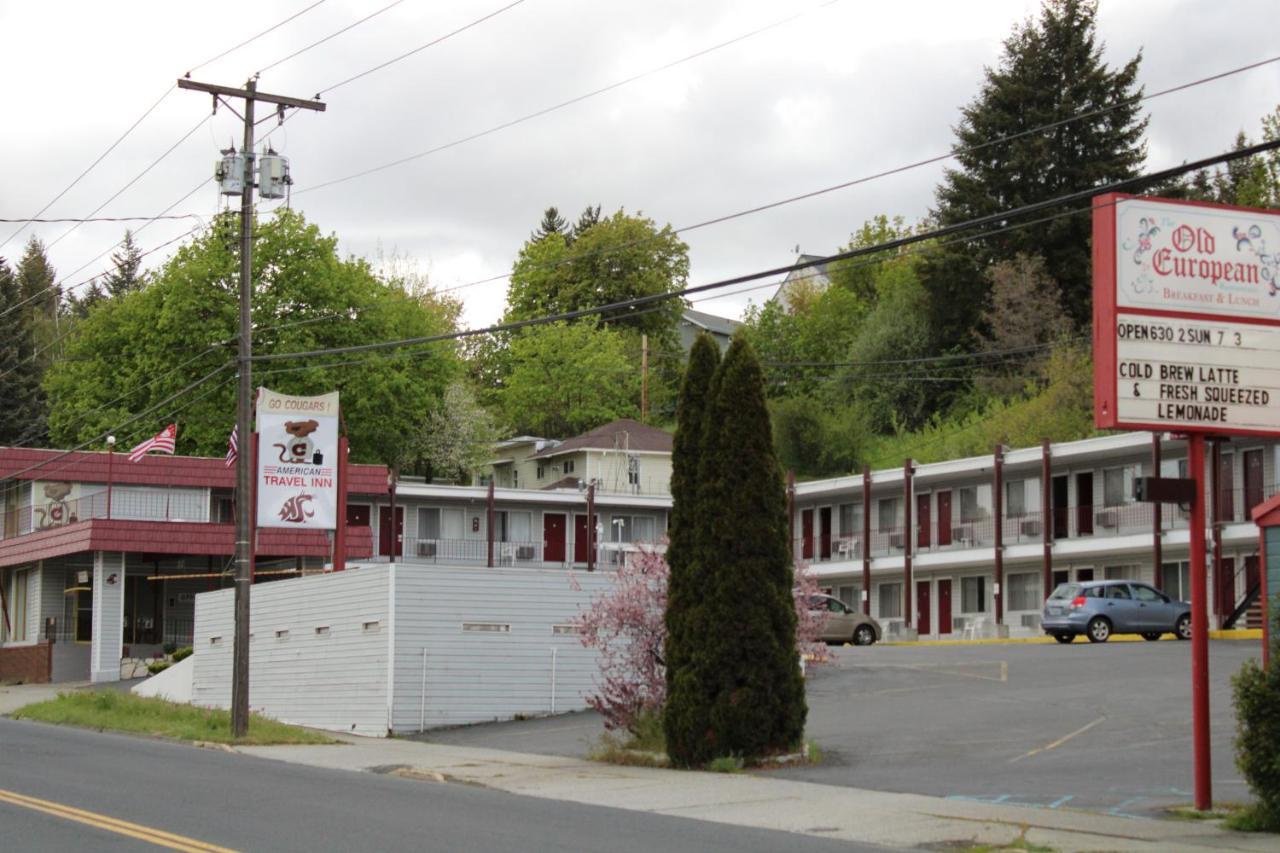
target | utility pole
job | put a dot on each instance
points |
(644, 379)
(244, 397)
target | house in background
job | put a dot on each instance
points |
(621, 457)
(799, 282)
(694, 323)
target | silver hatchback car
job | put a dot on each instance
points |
(1099, 609)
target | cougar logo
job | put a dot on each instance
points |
(297, 447)
(295, 509)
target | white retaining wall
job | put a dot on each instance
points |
(318, 650)
(495, 643)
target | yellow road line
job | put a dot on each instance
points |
(149, 834)
(1059, 742)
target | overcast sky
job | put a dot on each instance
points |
(839, 91)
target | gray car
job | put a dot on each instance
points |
(1099, 609)
(844, 624)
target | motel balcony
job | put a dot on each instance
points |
(475, 552)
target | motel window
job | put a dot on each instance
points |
(633, 470)
(850, 516)
(568, 466)
(1176, 580)
(973, 595)
(969, 504)
(851, 596)
(515, 479)
(428, 523)
(1113, 487)
(18, 607)
(889, 513)
(634, 528)
(890, 600)
(542, 472)
(1015, 498)
(513, 526)
(1119, 573)
(1022, 591)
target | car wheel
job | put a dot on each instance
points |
(863, 635)
(1064, 637)
(1151, 636)
(1099, 630)
(1183, 629)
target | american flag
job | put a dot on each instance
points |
(233, 447)
(161, 442)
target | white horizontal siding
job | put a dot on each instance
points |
(473, 676)
(336, 680)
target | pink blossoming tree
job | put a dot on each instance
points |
(625, 625)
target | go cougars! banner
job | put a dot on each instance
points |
(297, 461)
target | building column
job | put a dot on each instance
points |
(490, 517)
(866, 539)
(997, 590)
(1046, 509)
(1157, 517)
(910, 590)
(106, 648)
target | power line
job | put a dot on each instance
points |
(327, 89)
(332, 35)
(896, 170)
(135, 179)
(544, 111)
(999, 218)
(252, 39)
(107, 218)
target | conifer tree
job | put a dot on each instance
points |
(745, 659)
(22, 407)
(125, 277)
(552, 223)
(685, 720)
(589, 217)
(1052, 70)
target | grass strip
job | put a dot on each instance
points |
(113, 710)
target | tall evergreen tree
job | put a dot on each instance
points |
(586, 221)
(125, 277)
(552, 223)
(746, 660)
(685, 718)
(36, 277)
(1051, 71)
(22, 405)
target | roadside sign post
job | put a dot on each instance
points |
(1186, 339)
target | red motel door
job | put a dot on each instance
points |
(384, 531)
(922, 521)
(944, 518)
(806, 533)
(922, 608)
(944, 606)
(553, 524)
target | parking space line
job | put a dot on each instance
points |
(1057, 743)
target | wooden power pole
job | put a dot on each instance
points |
(644, 379)
(244, 398)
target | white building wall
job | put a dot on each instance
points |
(108, 616)
(490, 642)
(318, 649)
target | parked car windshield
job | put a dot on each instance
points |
(1066, 590)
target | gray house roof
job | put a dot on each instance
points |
(818, 275)
(713, 324)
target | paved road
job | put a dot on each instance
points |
(1100, 727)
(208, 797)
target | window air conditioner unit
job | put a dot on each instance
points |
(524, 552)
(426, 549)
(1106, 518)
(896, 540)
(962, 535)
(958, 623)
(1030, 527)
(1030, 620)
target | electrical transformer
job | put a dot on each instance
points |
(229, 172)
(273, 175)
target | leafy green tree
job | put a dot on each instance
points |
(858, 275)
(618, 258)
(455, 439)
(748, 664)
(685, 718)
(1052, 70)
(565, 378)
(552, 223)
(22, 405)
(134, 351)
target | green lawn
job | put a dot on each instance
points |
(112, 710)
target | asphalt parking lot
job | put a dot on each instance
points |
(1097, 727)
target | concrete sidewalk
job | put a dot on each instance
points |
(755, 800)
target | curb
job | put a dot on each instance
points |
(1240, 634)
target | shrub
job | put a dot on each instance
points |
(181, 654)
(169, 648)
(1257, 701)
(157, 666)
